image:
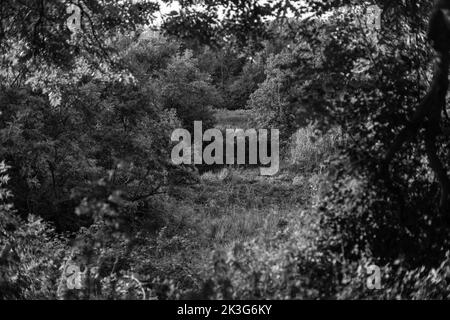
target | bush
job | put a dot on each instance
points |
(309, 148)
(188, 91)
(30, 252)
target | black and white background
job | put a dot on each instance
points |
(94, 207)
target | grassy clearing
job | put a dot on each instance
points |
(233, 119)
(218, 215)
(235, 207)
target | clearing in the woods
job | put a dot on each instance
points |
(226, 207)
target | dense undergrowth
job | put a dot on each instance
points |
(231, 235)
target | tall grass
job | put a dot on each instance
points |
(309, 148)
(232, 119)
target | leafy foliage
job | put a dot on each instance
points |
(85, 125)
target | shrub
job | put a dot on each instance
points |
(188, 91)
(310, 148)
(30, 252)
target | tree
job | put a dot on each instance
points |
(429, 112)
(41, 28)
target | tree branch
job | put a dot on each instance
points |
(428, 115)
(436, 165)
